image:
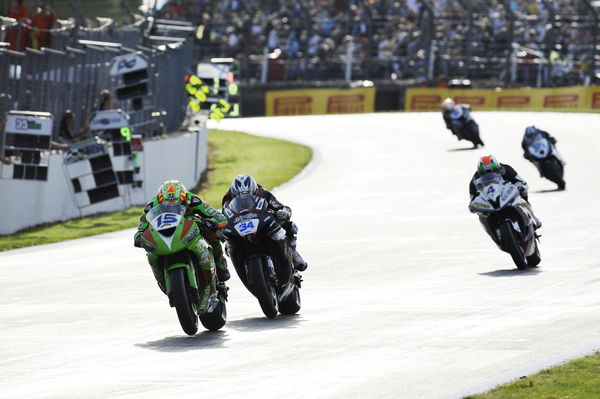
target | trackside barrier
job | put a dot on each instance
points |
(88, 183)
(576, 98)
(320, 101)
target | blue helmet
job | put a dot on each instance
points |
(530, 130)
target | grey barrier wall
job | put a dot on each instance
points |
(182, 157)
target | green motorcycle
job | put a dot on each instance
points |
(174, 244)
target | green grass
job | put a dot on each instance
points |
(577, 379)
(271, 162)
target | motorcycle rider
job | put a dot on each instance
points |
(174, 192)
(245, 184)
(531, 132)
(451, 111)
(489, 164)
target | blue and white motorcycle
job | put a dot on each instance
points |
(507, 219)
(464, 126)
(543, 154)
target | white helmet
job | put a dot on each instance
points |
(243, 184)
(448, 104)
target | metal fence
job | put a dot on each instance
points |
(71, 74)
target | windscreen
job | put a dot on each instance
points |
(487, 179)
(244, 203)
(165, 208)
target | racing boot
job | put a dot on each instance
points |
(537, 223)
(160, 279)
(299, 263)
(222, 271)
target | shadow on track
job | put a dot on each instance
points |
(182, 343)
(263, 323)
(550, 190)
(462, 149)
(532, 271)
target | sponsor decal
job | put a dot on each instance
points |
(126, 64)
(346, 104)
(561, 101)
(25, 124)
(425, 102)
(595, 100)
(298, 105)
(472, 100)
(513, 101)
(481, 204)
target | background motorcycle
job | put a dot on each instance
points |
(193, 291)
(506, 218)
(255, 242)
(543, 154)
(464, 126)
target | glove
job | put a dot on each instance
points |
(522, 190)
(207, 224)
(282, 214)
(137, 240)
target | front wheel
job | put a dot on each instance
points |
(552, 170)
(183, 303)
(512, 246)
(262, 288)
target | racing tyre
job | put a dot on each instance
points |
(511, 245)
(291, 304)
(216, 319)
(534, 259)
(262, 288)
(183, 303)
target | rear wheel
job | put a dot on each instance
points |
(183, 303)
(511, 245)
(262, 288)
(291, 304)
(216, 319)
(534, 259)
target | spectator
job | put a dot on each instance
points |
(66, 124)
(42, 21)
(105, 101)
(17, 35)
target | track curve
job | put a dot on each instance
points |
(405, 295)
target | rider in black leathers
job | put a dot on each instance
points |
(245, 184)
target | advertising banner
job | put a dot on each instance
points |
(320, 101)
(577, 98)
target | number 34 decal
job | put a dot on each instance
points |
(247, 227)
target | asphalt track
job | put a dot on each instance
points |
(405, 295)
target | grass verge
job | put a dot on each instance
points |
(271, 162)
(577, 379)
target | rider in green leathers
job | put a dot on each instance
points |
(173, 191)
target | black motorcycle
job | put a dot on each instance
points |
(464, 127)
(543, 154)
(259, 250)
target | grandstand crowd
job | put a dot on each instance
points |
(526, 42)
(503, 42)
